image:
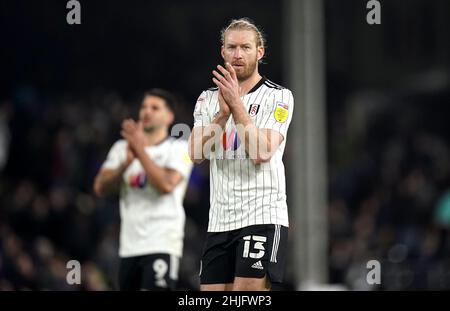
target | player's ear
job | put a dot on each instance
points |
(260, 52)
(222, 49)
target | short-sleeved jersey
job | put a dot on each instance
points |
(242, 193)
(151, 222)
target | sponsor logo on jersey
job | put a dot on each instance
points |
(138, 180)
(230, 140)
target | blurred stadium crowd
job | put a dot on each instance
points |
(389, 198)
(389, 191)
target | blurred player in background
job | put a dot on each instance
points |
(151, 170)
(248, 219)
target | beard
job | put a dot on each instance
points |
(149, 129)
(247, 71)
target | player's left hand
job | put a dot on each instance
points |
(133, 132)
(228, 84)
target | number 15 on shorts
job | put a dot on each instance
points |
(258, 246)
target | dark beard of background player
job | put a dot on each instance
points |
(150, 129)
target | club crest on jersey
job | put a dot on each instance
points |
(138, 180)
(230, 140)
(253, 110)
(281, 112)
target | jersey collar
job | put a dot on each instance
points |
(257, 85)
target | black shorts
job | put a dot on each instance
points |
(252, 252)
(148, 272)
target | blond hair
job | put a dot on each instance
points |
(244, 24)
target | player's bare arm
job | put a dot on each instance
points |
(201, 135)
(108, 181)
(262, 142)
(163, 179)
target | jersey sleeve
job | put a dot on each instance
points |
(277, 114)
(116, 155)
(201, 116)
(178, 159)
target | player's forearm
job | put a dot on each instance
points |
(196, 142)
(108, 181)
(255, 142)
(156, 175)
(203, 139)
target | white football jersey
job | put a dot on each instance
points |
(242, 193)
(151, 222)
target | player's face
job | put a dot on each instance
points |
(241, 52)
(154, 113)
